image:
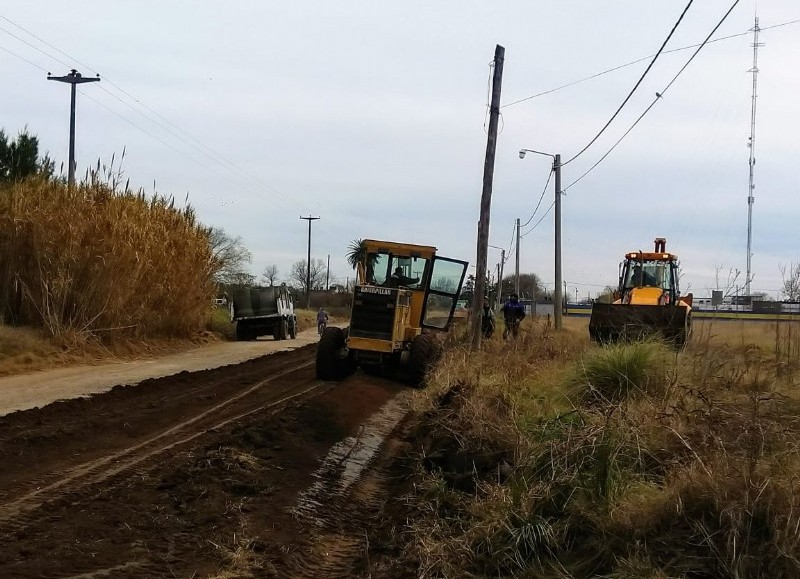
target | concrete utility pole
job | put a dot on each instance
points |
(486, 197)
(557, 292)
(308, 264)
(500, 277)
(516, 273)
(499, 274)
(73, 78)
(557, 318)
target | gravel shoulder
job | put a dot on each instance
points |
(37, 389)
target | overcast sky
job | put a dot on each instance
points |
(371, 115)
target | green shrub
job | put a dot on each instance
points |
(613, 373)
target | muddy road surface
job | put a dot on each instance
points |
(251, 470)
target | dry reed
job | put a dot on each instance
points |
(98, 262)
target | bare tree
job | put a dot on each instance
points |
(791, 282)
(300, 271)
(730, 286)
(530, 286)
(270, 274)
(231, 259)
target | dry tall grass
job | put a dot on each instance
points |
(99, 262)
(630, 461)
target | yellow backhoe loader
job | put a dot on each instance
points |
(646, 302)
(404, 294)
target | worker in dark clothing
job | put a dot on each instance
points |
(513, 314)
(397, 278)
(487, 320)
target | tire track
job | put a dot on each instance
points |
(349, 494)
(101, 469)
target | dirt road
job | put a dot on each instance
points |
(256, 469)
(39, 388)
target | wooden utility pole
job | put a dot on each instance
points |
(486, 199)
(73, 78)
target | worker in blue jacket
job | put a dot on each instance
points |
(513, 314)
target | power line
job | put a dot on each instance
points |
(637, 61)
(43, 69)
(201, 147)
(633, 90)
(544, 190)
(22, 40)
(513, 238)
(659, 95)
(535, 225)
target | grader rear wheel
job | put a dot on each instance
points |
(330, 363)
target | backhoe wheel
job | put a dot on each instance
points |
(684, 334)
(425, 350)
(293, 328)
(330, 363)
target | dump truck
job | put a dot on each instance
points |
(646, 302)
(263, 311)
(404, 296)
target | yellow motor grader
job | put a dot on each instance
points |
(404, 294)
(646, 302)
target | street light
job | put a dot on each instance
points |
(557, 297)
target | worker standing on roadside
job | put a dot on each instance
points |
(513, 314)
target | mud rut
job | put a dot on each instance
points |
(256, 469)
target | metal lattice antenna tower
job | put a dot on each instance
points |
(752, 145)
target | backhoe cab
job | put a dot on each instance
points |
(647, 300)
(404, 294)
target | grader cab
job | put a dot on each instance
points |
(646, 302)
(404, 295)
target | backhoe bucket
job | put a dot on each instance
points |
(613, 322)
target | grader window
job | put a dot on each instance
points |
(407, 272)
(377, 268)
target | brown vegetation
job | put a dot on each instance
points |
(95, 262)
(551, 457)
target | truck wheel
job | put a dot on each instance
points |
(293, 328)
(283, 329)
(424, 352)
(242, 333)
(330, 364)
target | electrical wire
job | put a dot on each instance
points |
(633, 90)
(535, 225)
(659, 95)
(196, 144)
(638, 60)
(544, 190)
(513, 238)
(22, 40)
(23, 58)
